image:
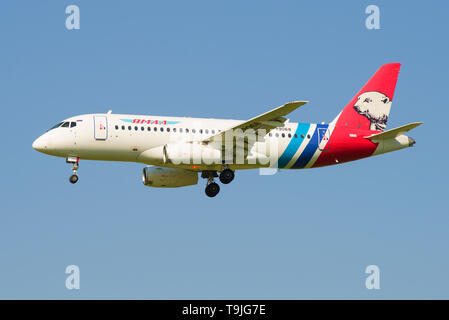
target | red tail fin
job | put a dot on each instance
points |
(370, 107)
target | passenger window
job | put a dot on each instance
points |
(283, 135)
(135, 128)
(296, 136)
(302, 136)
(155, 129)
(213, 131)
(277, 135)
(187, 130)
(174, 129)
(207, 131)
(123, 127)
(142, 128)
(129, 127)
(168, 129)
(162, 129)
(270, 134)
(289, 135)
(180, 130)
(193, 130)
(201, 131)
(149, 128)
(116, 127)
(308, 136)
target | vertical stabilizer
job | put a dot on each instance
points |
(370, 107)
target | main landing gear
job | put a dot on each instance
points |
(212, 188)
(75, 165)
(226, 176)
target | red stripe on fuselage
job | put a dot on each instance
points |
(346, 144)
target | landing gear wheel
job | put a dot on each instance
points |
(73, 178)
(212, 189)
(75, 165)
(226, 176)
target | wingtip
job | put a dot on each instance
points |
(302, 101)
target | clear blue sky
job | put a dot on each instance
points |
(296, 234)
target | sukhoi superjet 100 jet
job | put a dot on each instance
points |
(176, 150)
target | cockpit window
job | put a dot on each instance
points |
(63, 124)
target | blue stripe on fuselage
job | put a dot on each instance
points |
(293, 145)
(310, 149)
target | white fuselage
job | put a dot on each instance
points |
(119, 137)
(176, 142)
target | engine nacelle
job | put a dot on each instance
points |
(161, 177)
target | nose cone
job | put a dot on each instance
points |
(40, 144)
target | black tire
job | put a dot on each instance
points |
(73, 178)
(226, 176)
(212, 189)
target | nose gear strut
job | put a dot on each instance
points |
(75, 165)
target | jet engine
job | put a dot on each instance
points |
(162, 177)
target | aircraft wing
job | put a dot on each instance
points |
(267, 121)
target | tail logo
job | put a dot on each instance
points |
(375, 106)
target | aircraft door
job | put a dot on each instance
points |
(100, 127)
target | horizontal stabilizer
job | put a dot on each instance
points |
(393, 133)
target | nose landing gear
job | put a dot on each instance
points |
(75, 165)
(73, 178)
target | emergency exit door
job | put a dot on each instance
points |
(100, 127)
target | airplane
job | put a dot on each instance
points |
(176, 149)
